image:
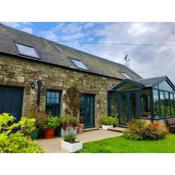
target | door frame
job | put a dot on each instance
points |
(94, 99)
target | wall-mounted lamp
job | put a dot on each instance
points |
(32, 84)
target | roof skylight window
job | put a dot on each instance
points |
(79, 64)
(126, 75)
(27, 51)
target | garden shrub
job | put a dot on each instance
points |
(140, 130)
(12, 139)
(109, 120)
(27, 125)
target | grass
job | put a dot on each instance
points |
(123, 145)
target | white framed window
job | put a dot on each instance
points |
(79, 64)
(126, 75)
(27, 50)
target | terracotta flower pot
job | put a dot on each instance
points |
(80, 128)
(49, 133)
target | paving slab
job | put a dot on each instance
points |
(54, 145)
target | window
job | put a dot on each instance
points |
(79, 64)
(156, 103)
(53, 99)
(172, 103)
(162, 103)
(167, 104)
(145, 103)
(126, 75)
(27, 51)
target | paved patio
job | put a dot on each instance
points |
(54, 145)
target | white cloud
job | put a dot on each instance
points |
(27, 29)
(24, 26)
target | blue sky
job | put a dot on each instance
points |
(148, 61)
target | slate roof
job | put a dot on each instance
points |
(60, 55)
(147, 82)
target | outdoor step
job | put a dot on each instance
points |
(90, 129)
(118, 129)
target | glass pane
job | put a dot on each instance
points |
(145, 103)
(156, 103)
(165, 86)
(127, 86)
(26, 50)
(167, 104)
(48, 94)
(123, 109)
(172, 104)
(112, 104)
(133, 105)
(162, 104)
(79, 64)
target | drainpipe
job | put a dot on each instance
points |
(39, 83)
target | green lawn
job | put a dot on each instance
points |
(123, 145)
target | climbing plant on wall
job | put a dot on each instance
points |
(72, 100)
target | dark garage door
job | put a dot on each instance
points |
(11, 99)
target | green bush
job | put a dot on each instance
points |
(53, 122)
(28, 125)
(15, 142)
(69, 137)
(109, 120)
(66, 121)
(139, 130)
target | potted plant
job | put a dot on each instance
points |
(49, 127)
(70, 144)
(68, 124)
(108, 122)
(80, 126)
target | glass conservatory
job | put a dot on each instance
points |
(151, 99)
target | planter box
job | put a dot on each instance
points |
(71, 147)
(106, 127)
(71, 130)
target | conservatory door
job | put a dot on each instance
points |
(123, 109)
(128, 106)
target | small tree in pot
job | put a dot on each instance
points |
(49, 127)
(68, 124)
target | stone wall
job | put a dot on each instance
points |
(20, 72)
